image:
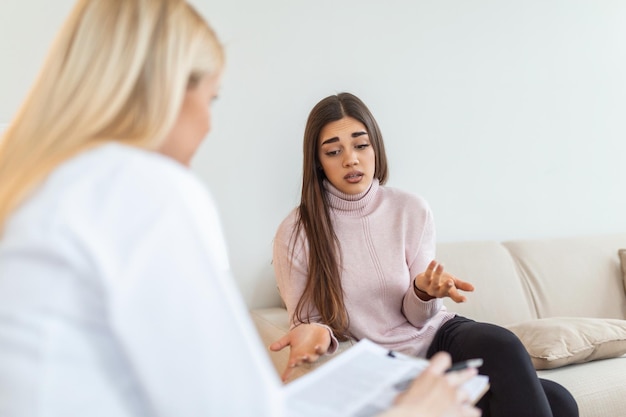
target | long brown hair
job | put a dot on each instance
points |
(323, 288)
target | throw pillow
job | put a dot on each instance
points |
(559, 341)
(622, 259)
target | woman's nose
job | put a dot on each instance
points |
(350, 159)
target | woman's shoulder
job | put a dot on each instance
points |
(115, 195)
(113, 182)
(401, 198)
(287, 225)
(119, 169)
(143, 166)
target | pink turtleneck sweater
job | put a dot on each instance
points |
(387, 237)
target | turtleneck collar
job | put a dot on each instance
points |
(351, 204)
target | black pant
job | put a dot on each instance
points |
(515, 390)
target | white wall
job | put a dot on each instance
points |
(508, 116)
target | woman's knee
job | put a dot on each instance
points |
(562, 402)
(502, 341)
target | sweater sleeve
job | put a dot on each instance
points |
(290, 263)
(421, 244)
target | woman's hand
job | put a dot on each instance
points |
(435, 283)
(308, 342)
(436, 394)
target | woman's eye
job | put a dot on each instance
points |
(362, 146)
(332, 153)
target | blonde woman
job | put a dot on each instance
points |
(115, 298)
(115, 292)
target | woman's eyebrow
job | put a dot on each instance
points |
(336, 138)
(331, 140)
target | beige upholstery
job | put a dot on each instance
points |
(599, 387)
(558, 341)
(489, 266)
(522, 280)
(578, 277)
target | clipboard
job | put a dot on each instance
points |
(359, 382)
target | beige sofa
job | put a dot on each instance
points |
(564, 297)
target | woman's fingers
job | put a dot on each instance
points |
(431, 267)
(456, 296)
(298, 357)
(320, 350)
(298, 361)
(429, 281)
(439, 363)
(307, 343)
(287, 373)
(458, 378)
(463, 285)
(438, 283)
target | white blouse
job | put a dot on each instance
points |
(116, 299)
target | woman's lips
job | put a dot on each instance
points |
(354, 177)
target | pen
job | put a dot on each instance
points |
(459, 366)
(470, 363)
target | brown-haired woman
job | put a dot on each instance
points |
(356, 259)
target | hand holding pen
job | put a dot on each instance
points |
(437, 393)
(470, 363)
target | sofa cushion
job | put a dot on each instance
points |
(499, 296)
(562, 273)
(559, 341)
(598, 386)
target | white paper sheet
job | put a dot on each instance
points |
(360, 382)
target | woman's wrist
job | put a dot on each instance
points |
(422, 295)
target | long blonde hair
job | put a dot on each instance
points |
(117, 71)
